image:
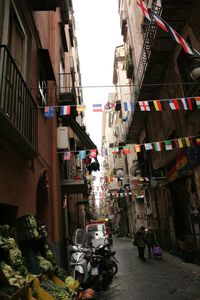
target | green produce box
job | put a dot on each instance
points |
(20, 294)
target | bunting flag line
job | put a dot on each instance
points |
(144, 9)
(188, 103)
(166, 145)
(65, 110)
(97, 107)
(129, 106)
(174, 35)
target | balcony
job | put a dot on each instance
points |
(129, 67)
(155, 59)
(67, 92)
(73, 179)
(18, 111)
(123, 21)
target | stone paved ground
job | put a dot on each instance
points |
(170, 278)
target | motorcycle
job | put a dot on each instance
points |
(80, 257)
(103, 264)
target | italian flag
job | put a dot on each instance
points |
(197, 99)
(158, 146)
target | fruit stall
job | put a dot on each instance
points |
(28, 268)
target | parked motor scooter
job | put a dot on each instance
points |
(103, 267)
(80, 257)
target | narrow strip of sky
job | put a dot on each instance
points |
(98, 34)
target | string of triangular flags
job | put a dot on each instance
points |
(164, 145)
(189, 103)
(167, 28)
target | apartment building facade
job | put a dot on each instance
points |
(40, 69)
(161, 69)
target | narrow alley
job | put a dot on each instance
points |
(169, 278)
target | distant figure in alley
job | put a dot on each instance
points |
(140, 242)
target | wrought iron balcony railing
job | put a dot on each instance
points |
(18, 111)
(147, 46)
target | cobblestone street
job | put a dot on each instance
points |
(169, 278)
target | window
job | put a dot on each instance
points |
(17, 40)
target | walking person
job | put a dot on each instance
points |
(150, 238)
(140, 242)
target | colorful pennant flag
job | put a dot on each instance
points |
(104, 152)
(175, 36)
(80, 108)
(97, 107)
(187, 103)
(197, 99)
(148, 146)
(168, 145)
(137, 148)
(174, 104)
(115, 150)
(157, 105)
(144, 105)
(67, 155)
(129, 106)
(109, 105)
(188, 141)
(93, 153)
(126, 150)
(65, 110)
(82, 154)
(198, 141)
(178, 143)
(158, 146)
(144, 9)
(49, 111)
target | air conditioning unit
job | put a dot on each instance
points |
(62, 138)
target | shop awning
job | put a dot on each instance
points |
(80, 133)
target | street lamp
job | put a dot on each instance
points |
(194, 69)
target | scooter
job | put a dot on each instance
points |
(80, 257)
(103, 266)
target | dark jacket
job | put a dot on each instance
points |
(150, 237)
(140, 238)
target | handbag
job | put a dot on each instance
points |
(157, 251)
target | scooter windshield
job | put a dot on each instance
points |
(79, 237)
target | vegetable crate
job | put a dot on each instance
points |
(20, 294)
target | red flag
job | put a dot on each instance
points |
(93, 153)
